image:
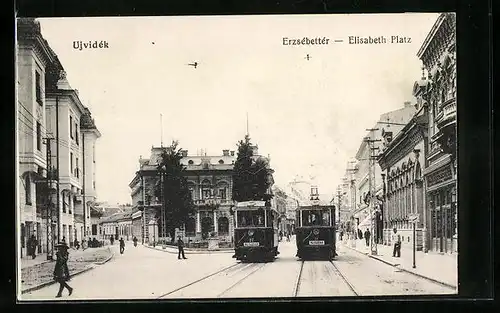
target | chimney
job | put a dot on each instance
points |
(232, 153)
(407, 104)
(225, 152)
(184, 153)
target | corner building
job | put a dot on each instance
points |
(438, 55)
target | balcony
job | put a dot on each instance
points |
(448, 113)
(209, 202)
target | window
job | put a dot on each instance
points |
(27, 189)
(76, 134)
(71, 127)
(250, 218)
(77, 170)
(38, 88)
(38, 136)
(65, 203)
(71, 162)
(94, 229)
(93, 153)
(222, 193)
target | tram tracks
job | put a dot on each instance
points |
(245, 270)
(300, 279)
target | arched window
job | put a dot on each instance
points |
(222, 190)
(205, 189)
(223, 225)
(221, 161)
(27, 189)
(191, 226)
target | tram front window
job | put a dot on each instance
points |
(315, 218)
(250, 218)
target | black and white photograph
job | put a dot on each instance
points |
(236, 157)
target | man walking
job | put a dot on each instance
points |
(61, 270)
(122, 245)
(367, 237)
(397, 244)
(180, 246)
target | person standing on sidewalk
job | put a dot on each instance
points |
(397, 244)
(135, 241)
(32, 244)
(61, 271)
(367, 237)
(122, 245)
(180, 246)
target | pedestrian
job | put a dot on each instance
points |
(76, 244)
(122, 245)
(287, 236)
(360, 234)
(112, 240)
(32, 244)
(367, 237)
(61, 270)
(397, 244)
(135, 241)
(180, 246)
(281, 235)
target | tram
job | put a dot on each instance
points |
(315, 232)
(256, 231)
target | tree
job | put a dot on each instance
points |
(251, 178)
(177, 201)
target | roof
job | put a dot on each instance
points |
(117, 217)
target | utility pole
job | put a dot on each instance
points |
(371, 184)
(57, 172)
(49, 204)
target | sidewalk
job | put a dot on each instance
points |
(442, 268)
(42, 257)
(38, 273)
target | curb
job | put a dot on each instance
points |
(172, 251)
(54, 282)
(107, 260)
(403, 269)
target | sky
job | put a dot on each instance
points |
(309, 116)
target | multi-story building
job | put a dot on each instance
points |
(370, 146)
(210, 182)
(402, 161)
(35, 63)
(64, 110)
(438, 55)
(49, 127)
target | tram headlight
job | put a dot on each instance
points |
(250, 233)
(316, 232)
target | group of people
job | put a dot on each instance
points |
(396, 238)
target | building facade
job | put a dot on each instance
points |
(438, 55)
(369, 148)
(35, 61)
(402, 161)
(210, 182)
(49, 114)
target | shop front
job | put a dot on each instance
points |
(441, 197)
